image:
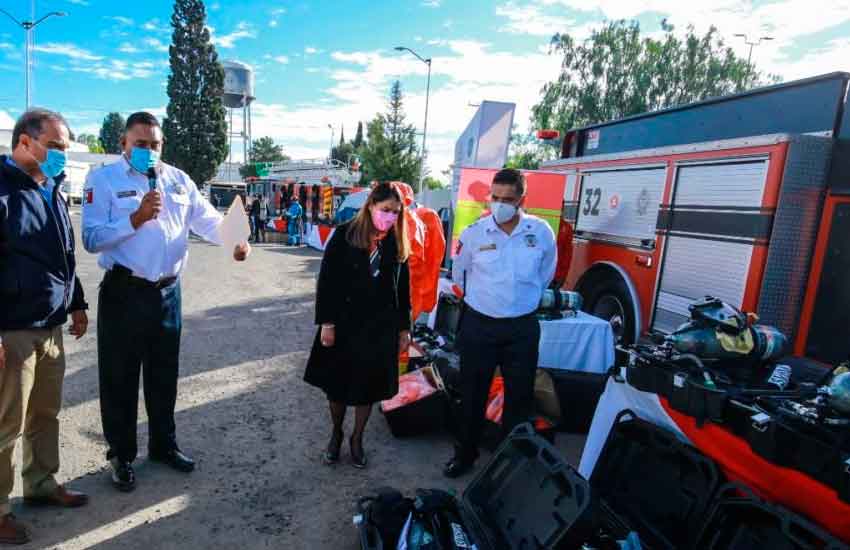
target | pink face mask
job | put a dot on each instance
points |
(383, 221)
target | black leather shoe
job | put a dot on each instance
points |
(123, 476)
(458, 466)
(176, 459)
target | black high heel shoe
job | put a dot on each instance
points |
(358, 460)
(331, 455)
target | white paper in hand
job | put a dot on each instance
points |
(234, 228)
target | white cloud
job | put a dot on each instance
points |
(155, 25)
(832, 56)
(126, 21)
(6, 46)
(310, 50)
(273, 23)
(432, 3)
(156, 44)
(126, 47)
(117, 70)
(278, 11)
(474, 71)
(6, 121)
(531, 19)
(215, 6)
(68, 50)
(79, 2)
(313, 70)
(227, 41)
(282, 59)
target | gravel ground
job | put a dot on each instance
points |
(256, 430)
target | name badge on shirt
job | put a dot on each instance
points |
(177, 188)
(487, 247)
(125, 194)
(531, 240)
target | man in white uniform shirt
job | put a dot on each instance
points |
(504, 262)
(137, 214)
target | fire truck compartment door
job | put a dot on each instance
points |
(715, 221)
(621, 204)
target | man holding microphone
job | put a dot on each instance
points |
(504, 263)
(137, 214)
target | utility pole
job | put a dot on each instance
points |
(28, 27)
(425, 126)
(752, 45)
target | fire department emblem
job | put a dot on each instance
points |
(643, 202)
(614, 202)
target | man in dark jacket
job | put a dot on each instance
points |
(38, 291)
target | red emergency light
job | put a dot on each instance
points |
(325, 179)
(548, 134)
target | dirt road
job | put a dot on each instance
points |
(256, 430)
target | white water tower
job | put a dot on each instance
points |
(238, 94)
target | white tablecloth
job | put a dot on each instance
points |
(618, 397)
(581, 343)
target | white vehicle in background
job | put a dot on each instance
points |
(75, 179)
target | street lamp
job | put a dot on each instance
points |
(751, 45)
(28, 26)
(331, 152)
(427, 95)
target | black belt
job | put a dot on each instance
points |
(121, 273)
(532, 315)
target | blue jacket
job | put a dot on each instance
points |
(38, 282)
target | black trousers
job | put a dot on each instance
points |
(259, 227)
(138, 328)
(484, 344)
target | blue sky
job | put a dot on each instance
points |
(320, 63)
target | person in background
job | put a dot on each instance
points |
(363, 313)
(39, 289)
(293, 225)
(259, 215)
(137, 215)
(504, 262)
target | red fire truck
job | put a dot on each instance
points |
(745, 197)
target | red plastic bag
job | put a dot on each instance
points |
(412, 387)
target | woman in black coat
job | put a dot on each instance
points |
(363, 313)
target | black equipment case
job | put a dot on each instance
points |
(649, 481)
(526, 497)
(741, 521)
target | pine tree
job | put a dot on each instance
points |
(358, 138)
(342, 136)
(195, 127)
(391, 153)
(110, 133)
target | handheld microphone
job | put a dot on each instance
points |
(152, 178)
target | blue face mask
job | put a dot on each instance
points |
(142, 159)
(54, 163)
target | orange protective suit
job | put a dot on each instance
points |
(427, 249)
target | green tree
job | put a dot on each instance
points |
(617, 73)
(526, 152)
(195, 127)
(265, 150)
(92, 141)
(111, 132)
(433, 183)
(390, 153)
(358, 137)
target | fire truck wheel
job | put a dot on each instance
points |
(609, 299)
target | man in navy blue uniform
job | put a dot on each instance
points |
(39, 289)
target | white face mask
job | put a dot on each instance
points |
(503, 212)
